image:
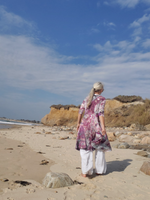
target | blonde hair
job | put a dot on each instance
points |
(96, 87)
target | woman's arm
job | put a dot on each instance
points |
(79, 121)
(102, 121)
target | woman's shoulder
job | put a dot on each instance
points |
(101, 98)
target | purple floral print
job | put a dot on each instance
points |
(90, 132)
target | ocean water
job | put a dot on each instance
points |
(6, 124)
(2, 126)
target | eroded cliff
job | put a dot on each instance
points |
(117, 113)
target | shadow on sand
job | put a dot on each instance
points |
(116, 165)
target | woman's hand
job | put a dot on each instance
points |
(103, 132)
(102, 122)
(78, 125)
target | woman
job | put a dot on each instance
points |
(91, 132)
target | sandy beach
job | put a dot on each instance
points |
(22, 150)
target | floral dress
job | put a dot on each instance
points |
(90, 132)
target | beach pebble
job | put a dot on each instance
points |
(123, 146)
(136, 141)
(145, 140)
(145, 168)
(48, 132)
(40, 152)
(111, 136)
(117, 133)
(38, 133)
(44, 162)
(8, 148)
(125, 138)
(115, 145)
(30, 190)
(71, 133)
(142, 153)
(64, 138)
(57, 180)
(129, 133)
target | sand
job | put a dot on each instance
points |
(123, 179)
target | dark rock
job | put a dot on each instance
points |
(24, 183)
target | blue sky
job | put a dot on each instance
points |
(51, 52)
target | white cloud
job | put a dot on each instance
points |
(129, 3)
(10, 21)
(137, 32)
(98, 47)
(146, 44)
(138, 25)
(125, 46)
(26, 65)
(137, 39)
(110, 25)
(95, 30)
(107, 46)
(140, 21)
(115, 49)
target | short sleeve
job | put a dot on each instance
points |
(82, 107)
(101, 108)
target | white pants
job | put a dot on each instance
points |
(87, 162)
